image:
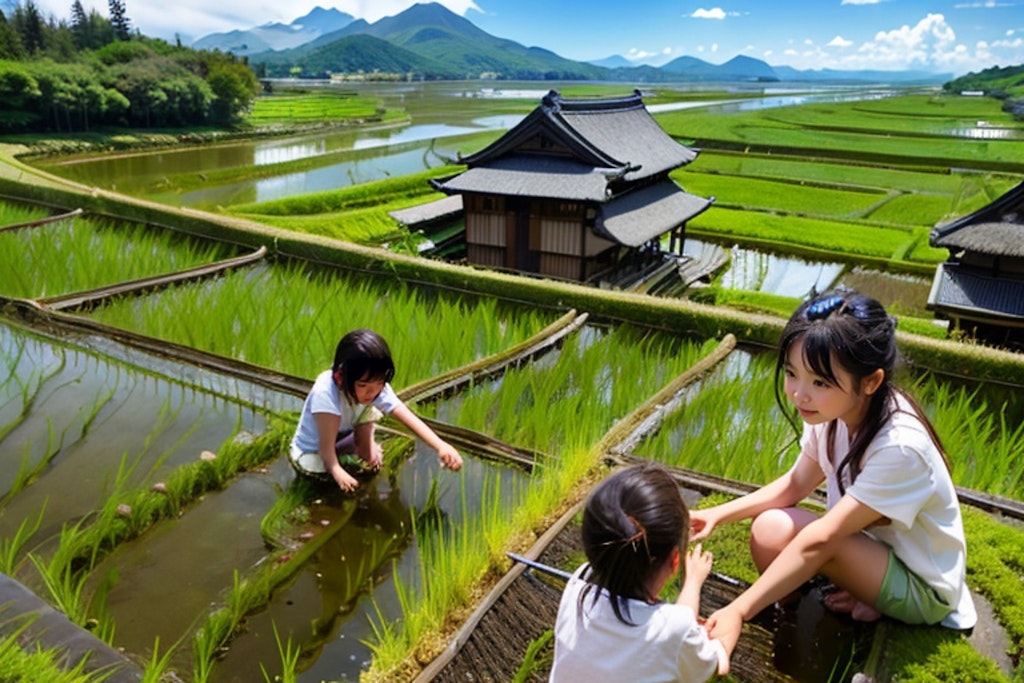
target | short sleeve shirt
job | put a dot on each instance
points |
(593, 645)
(326, 397)
(903, 477)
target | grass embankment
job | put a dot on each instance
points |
(354, 214)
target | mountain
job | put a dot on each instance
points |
(438, 36)
(428, 41)
(613, 62)
(786, 73)
(277, 36)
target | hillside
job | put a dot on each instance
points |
(431, 42)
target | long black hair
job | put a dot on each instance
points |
(853, 330)
(631, 522)
(362, 354)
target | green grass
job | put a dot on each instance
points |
(311, 107)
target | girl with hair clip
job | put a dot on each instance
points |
(891, 540)
(336, 428)
(611, 625)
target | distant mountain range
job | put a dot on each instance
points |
(428, 41)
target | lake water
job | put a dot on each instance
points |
(443, 116)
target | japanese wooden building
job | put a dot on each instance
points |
(578, 190)
(980, 288)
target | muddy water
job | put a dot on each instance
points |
(74, 418)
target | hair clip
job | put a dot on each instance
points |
(823, 307)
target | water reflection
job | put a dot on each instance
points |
(759, 271)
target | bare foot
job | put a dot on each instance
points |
(842, 602)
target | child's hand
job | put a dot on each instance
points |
(345, 481)
(701, 524)
(376, 458)
(449, 457)
(698, 564)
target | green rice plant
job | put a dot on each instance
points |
(730, 427)
(982, 445)
(310, 107)
(301, 313)
(782, 195)
(811, 236)
(824, 173)
(361, 196)
(19, 665)
(289, 661)
(158, 665)
(86, 253)
(14, 214)
(66, 589)
(571, 402)
(913, 209)
(10, 548)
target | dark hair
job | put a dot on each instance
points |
(362, 354)
(853, 330)
(631, 522)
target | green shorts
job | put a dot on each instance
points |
(906, 596)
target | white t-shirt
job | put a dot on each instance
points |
(326, 397)
(593, 646)
(904, 478)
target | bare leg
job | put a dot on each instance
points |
(857, 568)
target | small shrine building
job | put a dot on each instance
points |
(578, 190)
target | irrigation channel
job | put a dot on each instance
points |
(147, 496)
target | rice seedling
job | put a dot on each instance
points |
(811, 236)
(10, 548)
(19, 665)
(982, 445)
(289, 661)
(13, 214)
(90, 252)
(310, 107)
(158, 665)
(295, 323)
(784, 196)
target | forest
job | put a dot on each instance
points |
(90, 71)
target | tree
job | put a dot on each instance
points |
(29, 25)
(119, 20)
(10, 41)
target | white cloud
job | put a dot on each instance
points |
(714, 47)
(808, 41)
(987, 4)
(713, 13)
(839, 41)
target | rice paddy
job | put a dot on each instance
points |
(274, 580)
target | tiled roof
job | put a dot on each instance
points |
(641, 215)
(969, 292)
(617, 134)
(532, 176)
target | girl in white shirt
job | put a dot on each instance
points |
(892, 538)
(336, 427)
(611, 625)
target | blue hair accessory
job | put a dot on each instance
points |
(823, 307)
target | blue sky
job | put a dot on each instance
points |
(945, 36)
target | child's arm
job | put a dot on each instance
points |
(697, 567)
(449, 457)
(786, 491)
(818, 543)
(327, 428)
